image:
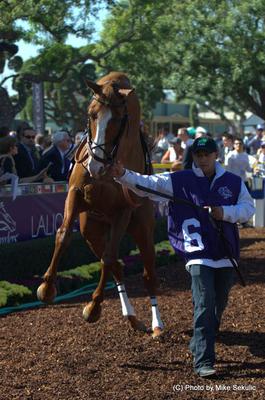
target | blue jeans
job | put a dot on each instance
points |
(210, 288)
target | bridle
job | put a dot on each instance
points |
(109, 156)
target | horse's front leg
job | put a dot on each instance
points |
(47, 290)
(95, 235)
(126, 306)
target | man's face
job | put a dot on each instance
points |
(227, 142)
(28, 137)
(205, 161)
(65, 143)
(239, 147)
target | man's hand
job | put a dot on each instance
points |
(217, 213)
(116, 170)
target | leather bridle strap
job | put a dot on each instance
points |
(109, 156)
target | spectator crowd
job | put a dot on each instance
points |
(33, 157)
(241, 155)
(27, 156)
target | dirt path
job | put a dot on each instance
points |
(52, 354)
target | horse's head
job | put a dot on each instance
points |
(7, 223)
(107, 120)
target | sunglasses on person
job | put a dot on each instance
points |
(29, 136)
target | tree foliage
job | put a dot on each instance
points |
(47, 23)
(209, 51)
(135, 26)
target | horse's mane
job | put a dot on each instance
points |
(146, 142)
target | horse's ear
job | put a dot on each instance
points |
(125, 92)
(93, 86)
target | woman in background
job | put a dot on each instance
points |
(8, 148)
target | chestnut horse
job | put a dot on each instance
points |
(107, 210)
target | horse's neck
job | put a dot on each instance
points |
(130, 151)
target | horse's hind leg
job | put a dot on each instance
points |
(143, 236)
(47, 290)
(110, 257)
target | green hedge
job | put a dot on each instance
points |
(12, 294)
(26, 259)
(75, 278)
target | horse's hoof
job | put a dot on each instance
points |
(92, 312)
(136, 324)
(46, 292)
(157, 332)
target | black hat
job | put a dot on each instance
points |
(205, 144)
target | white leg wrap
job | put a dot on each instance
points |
(156, 319)
(127, 308)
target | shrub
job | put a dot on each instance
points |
(13, 294)
(23, 260)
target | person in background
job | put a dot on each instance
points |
(247, 137)
(191, 132)
(255, 142)
(228, 145)
(194, 237)
(187, 159)
(55, 156)
(27, 157)
(238, 161)
(162, 145)
(47, 142)
(39, 140)
(42, 142)
(173, 154)
(184, 137)
(8, 149)
(78, 137)
(260, 168)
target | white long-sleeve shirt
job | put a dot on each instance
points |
(238, 164)
(240, 212)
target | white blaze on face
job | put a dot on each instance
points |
(102, 121)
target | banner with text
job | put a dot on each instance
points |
(31, 217)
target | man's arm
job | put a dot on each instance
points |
(243, 210)
(159, 182)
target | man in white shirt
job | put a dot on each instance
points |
(238, 161)
(194, 237)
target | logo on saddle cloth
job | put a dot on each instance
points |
(225, 192)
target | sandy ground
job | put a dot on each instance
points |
(52, 354)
